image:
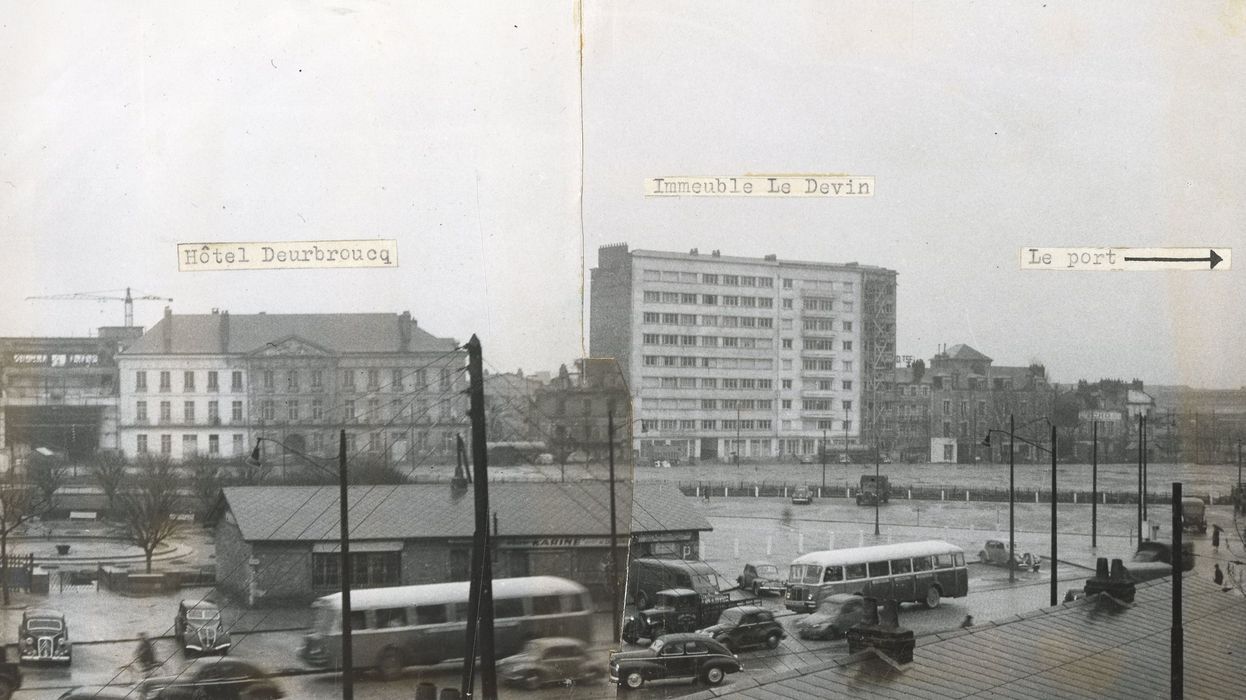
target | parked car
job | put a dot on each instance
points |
(225, 679)
(198, 628)
(995, 553)
(10, 675)
(1193, 515)
(873, 490)
(802, 495)
(674, 656)
(43, 637)
(679, 610)
(549, 660)
(746, 626)
(762, 577)
(834, 615)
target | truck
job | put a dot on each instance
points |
(873, 490)
(1154, 560)
(681, 610)
(1193, 515)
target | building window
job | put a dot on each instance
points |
(166, 412)
(190, 445)
(348, 410)
(214, 412)
(374, 378)
(214, 445)
(368, 569)
(318, 442)
(847, 365)
(188, 411)
(787, 403)
(267, 410)
(166, 381)
(140, 381)
(787, 384)
(188, 381)
(238, 445)
(787, 343)
(317, 409)
(235, 414)
(292, 380)
(166, 445)
(847, 425)
(140, 444)
(214, 381)
(292, 410)
(140, 412)
(348, 379)
(847, 405)
(269, 380)
(445, 380)
(848, 345)
(374, 410)
(396, 382)
(947, 406)
(317, 379)
(847, 385)
(235, 380)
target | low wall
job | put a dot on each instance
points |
(931, 493)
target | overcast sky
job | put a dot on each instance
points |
(126, 128)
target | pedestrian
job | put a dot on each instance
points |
(1218, 576)
(146, 653)
(1215, 537)
(968, 622)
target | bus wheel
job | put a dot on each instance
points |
(390, 664)
(932, 597)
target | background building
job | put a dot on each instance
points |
(755, 357)
(209, 384)
(573, 413)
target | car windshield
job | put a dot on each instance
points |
(806, 573)
(767, 570)
(203, 615)
(730, 616)
(44, 624)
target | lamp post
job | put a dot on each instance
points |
(877, 490)
(1012, 491)
(823, 453)
(1094, 487)
(348, 682)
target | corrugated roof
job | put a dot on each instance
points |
(340, 333)
(1075, 650)
(418, 511)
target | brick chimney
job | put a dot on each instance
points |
(404, 331)
(225, 331)
(167, 330)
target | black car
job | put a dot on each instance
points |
(226, 679)
(198, 628)
(746, 626)
(682, 655)
(43, 637)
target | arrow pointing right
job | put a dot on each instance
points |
(1211, 258)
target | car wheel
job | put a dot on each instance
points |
(532, 681)
(390, 665)
(713, 675)
(633, 680)
(932, 597)
(642, 601)
(772, 640)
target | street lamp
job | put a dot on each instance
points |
(348, 684)
(1012, 491)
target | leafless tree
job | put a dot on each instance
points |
(207, 476)
(47, 474)
(147, 506)
(360, 469)
(109, 471)
(19, 501)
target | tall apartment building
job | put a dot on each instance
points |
(209, 384)
(755, 357)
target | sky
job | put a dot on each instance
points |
(466, 132)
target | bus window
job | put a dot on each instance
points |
(545, 605)
(878, 569)
(572, 603)
(943, 561)
(833, 573)
(959, 558)
(901, 566)
(921, 564)
(358, 620)
(854, 571)
(391, 617)
(430, 614)
(460, 612)
(511, 607)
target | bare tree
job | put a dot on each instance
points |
(207, 476)
(109, 471)
(248, 473)
(360, 469)
(19, 501)
(48, 475)
(147, 506)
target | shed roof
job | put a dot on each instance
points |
(1078, 649)
(420, 511)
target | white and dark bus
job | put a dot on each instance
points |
(392, 628)
(922, 572)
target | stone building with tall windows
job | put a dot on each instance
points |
(210, 384)
(756, 358)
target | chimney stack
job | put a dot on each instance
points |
(225, 331)
(404, 331)
(167, 330)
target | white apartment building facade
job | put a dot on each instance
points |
(210, 384)
(750, 357)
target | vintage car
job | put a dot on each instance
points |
(995, 553)
(802, 496)
(44, 638)
(1193, 515)
(834, 615)
(873, 490)
(549, 660)
(761, 577)
(673, 656)
(679, 610)
(198, 628)
(226, 679)
(746, 626)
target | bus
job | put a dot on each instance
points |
(392, 628)
(922, 572)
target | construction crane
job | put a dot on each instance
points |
(107, 295)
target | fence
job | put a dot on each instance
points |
(718, 489)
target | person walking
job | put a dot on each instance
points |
(147, 653)
(1217, 576)
(1215, 537)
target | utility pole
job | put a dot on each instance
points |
(348, 670)
(737, 435)
(1012, 498)
(480, 622)
(877, 488)
(1054, 560)
(1094, 488)
(1139, 477)
(1176, 641)
(614, 535)
(823, 451)
(1146, 482)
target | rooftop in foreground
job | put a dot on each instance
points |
(1082, 649)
